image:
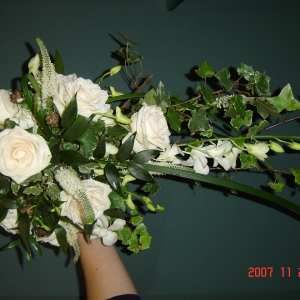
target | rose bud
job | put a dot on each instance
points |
(40, 232)
(52, 119)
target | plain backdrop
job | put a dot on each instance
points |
(206, 240)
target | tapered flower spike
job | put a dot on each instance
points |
(70, 182)
(49, 81)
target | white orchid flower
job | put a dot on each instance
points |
(258, 150)
(217, 153)
(107, 233)
(232, 155)
(170, 154)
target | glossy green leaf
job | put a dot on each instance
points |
(173, 118)
(126, 148)
(35, 244)
(116, 214)
(61, 236)
(205, 70)
(24, 229)
(58, 62)
(34, 83)
(13, 244)
(145, 155)
(207, 94)
(116, 131)
(70, 114)
(113, 178)
(139, 172)
(230, 185)
(4, 187)
(88, 230)
(262, 86)
(73, 158)
(3, 213)
(9, 203)
(224, 76)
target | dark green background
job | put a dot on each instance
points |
(205, 241)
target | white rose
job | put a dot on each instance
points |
(7, 108)
(63, 98)
(22, 154)
(90, 98)
(24, 119)
(151, 129)
(97, 193)
(10, 221)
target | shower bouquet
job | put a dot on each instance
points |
(68, 157)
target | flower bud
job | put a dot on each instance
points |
(161, 208)
(16, 97)
(113, 71)
(114, 93)
(40, 232)
(150, 207)
(129, 202)
(127, 178)
(294, 146)
(146, 199)
(121, 118)
(276, 147)
(34, 64)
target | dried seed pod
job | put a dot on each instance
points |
(40, 232)
(52, 119)
(17, 95)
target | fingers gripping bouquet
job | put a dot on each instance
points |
(67, 158)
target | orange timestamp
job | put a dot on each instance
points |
(267, 272)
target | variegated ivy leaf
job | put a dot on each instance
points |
(84, 169)
(136, 220)
(253, 130)
(15, 187)
(145, 241)
(198, 122)
(53, 191)
(33, 178)
(149, 98)
(296, 173)
(239, 121)
(224, 76)
(245, 71)
(33, 190)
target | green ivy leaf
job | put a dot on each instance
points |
(58, 62)
(141, 229)
(285, 100)
(151, 187)
(248, 160)
(224, 76)
(207, 94)
(276, 186)
(126, 235)
(149, 98)
(264, 108)
(173, 118)
(61, 236)
(198, 122)
(296, 173)
(100, 150)
(116, 131)
(53, 191)
(126, 39)
(116, 201)
(139, 172)
(113, 178)
(136, 220)
(245, 71)
(126, 148)
(259, 84)
(253, 130)
(240, 105)
(205, 70)
(161, 98)
(88, 142)
(145, 241)
(145, 155)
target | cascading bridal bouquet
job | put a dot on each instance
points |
(67, 158)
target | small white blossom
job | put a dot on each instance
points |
(258, 150)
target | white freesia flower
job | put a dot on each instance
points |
(22, 154)
(110, 149)
(170, 154)
(10, 221)
(151, 129)
(24, 119)
(258, 150)
(107, 233)
(7, 108)
(97, 193)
